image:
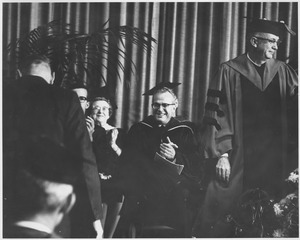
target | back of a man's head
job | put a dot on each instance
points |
(36, 196)
(44, 180)
(36, 65)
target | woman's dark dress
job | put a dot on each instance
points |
(107, 161)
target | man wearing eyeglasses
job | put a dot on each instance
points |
(153, 148)
(251, 110)
(82, 94)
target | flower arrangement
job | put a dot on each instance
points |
(287, 210)
(257, 215)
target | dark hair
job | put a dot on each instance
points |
(26, 63)
(34, 195)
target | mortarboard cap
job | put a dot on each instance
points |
(267, 26)
(161, 85)
(48, 160)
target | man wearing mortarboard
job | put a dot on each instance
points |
(155, 151)
(247, 124)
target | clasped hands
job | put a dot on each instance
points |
(167, 150)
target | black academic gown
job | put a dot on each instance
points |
(249, 117)
(150, 179)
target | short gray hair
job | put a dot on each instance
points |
(26, 64)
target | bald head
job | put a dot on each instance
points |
(37, 65)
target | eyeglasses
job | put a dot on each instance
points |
(82, 99)
(164, 105)
(272, 41)
(96, 109)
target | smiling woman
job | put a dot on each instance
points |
(101, 112)
(107, 144)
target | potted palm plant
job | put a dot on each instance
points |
(89, 58)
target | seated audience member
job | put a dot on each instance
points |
(152, 148)
(107, 143)
(82, 93)
(43, 190)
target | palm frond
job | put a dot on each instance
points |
(73, 54)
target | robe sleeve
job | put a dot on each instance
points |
(292, 81)
(188, 154)
(218, 118)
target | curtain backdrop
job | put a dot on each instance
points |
(192, 40)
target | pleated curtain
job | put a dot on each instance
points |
(193, 38)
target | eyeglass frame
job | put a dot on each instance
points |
(271, 41)
(82, 99)
(164, 105)
(100, 108)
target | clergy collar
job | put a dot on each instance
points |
(244, 66)
(34, 225)
(254, 62)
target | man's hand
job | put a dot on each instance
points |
(98, 228)
(223, 169)
(90, 123)
(167, 150)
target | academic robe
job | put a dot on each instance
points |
(145, 177)
(248, 117)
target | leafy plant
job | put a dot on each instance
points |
(257, 215)
(77, 56)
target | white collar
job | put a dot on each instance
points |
(34, 225)
(253, 61)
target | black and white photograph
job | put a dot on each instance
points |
(149, 119)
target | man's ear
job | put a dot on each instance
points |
(87, 105)
(253, 41)
(176, 103)
(19, 73)
(53, 78)
(69, 203)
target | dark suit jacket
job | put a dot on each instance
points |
(32, 107)
(14, 231)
